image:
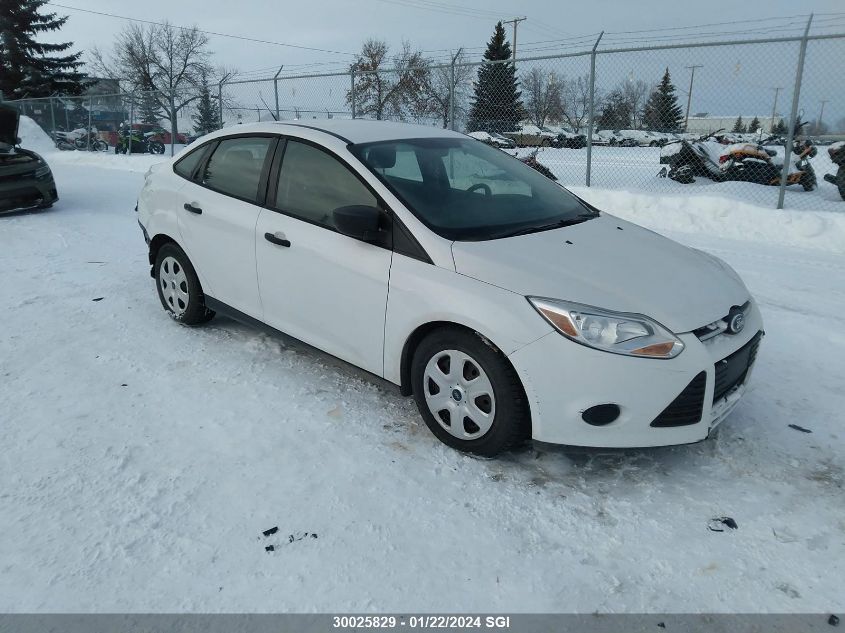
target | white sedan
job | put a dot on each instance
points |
(509, 308)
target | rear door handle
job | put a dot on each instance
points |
(277, 239)
(192, 208)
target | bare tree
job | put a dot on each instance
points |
(166, 60)
(385, 85)
(543, 94)
(636, 93)
(576, 102)
(433, 98)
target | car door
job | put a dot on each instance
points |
(317, 285)
(217, 216)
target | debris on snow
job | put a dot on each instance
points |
(716, 524)
(270, 548)
(98, 299)
(799, 428)
(833, 620)
(272, 530)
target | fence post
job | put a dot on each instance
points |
(90, 108)
(52, 119)
(172, 121)
(220, 99)
(276, 89)
(352, 91)
(131, 122)
(790, 135)
(592, 107)
(452, 90)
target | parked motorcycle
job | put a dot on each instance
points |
(137, 142)
(63, 140)
(837, 156)
(88, 139)
(740, 162)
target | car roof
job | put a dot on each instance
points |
(350, 130)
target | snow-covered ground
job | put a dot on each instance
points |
(140, 460)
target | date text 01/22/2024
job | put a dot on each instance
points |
(421, 622)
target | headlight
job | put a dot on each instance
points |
(615, 332)
(42, 172)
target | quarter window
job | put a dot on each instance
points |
(186, 166)
(235, 166)
(312, 184)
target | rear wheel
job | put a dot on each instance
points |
(468, 394)
(179, 287)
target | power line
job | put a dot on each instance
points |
(213, 33)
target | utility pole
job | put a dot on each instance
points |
(689, 95)
(774, 109)
(452, 89)
(515, 23)
(821, 114)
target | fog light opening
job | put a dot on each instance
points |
(601, 414)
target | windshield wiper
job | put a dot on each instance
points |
(581, 217)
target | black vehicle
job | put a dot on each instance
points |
(837, 155)
(26, 181)
(137, 142)
(570, 140)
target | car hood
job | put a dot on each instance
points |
(9, 119)
(609, 263)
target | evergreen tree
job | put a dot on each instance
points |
(497, 105)
(738, 125)
(616, 112)
(206, 119)
(779, 128)
(149, 110)
(662, 112)
(29, 68)
(754, 126)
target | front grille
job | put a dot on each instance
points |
(20, 198)
(686, 408)
(732, 370)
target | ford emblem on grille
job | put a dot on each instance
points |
(736, 321)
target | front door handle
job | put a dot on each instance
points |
(192, 208)
(277, 239)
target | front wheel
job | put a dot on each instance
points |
(179, 287)
(468, 393)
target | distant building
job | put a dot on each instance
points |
(705, 123)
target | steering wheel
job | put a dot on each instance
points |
(482, 187)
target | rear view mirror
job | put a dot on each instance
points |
(358, 221)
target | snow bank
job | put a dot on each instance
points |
(33, 137)
(723, 218)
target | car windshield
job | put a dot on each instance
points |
(465, 190)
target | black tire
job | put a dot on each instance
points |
(195, 311)
(808, 181)
(840, 181)
(511, 424)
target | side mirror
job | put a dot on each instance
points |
(358, 221)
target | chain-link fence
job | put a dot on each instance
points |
(747, 119)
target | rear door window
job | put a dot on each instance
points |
(235, 166)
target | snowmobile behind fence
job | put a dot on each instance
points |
(533, 163)
(738, 162)
(837, 156)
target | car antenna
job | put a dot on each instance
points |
(275, 118)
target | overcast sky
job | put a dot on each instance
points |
(439, 26)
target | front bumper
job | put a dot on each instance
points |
(563, 379)
(28, 193)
